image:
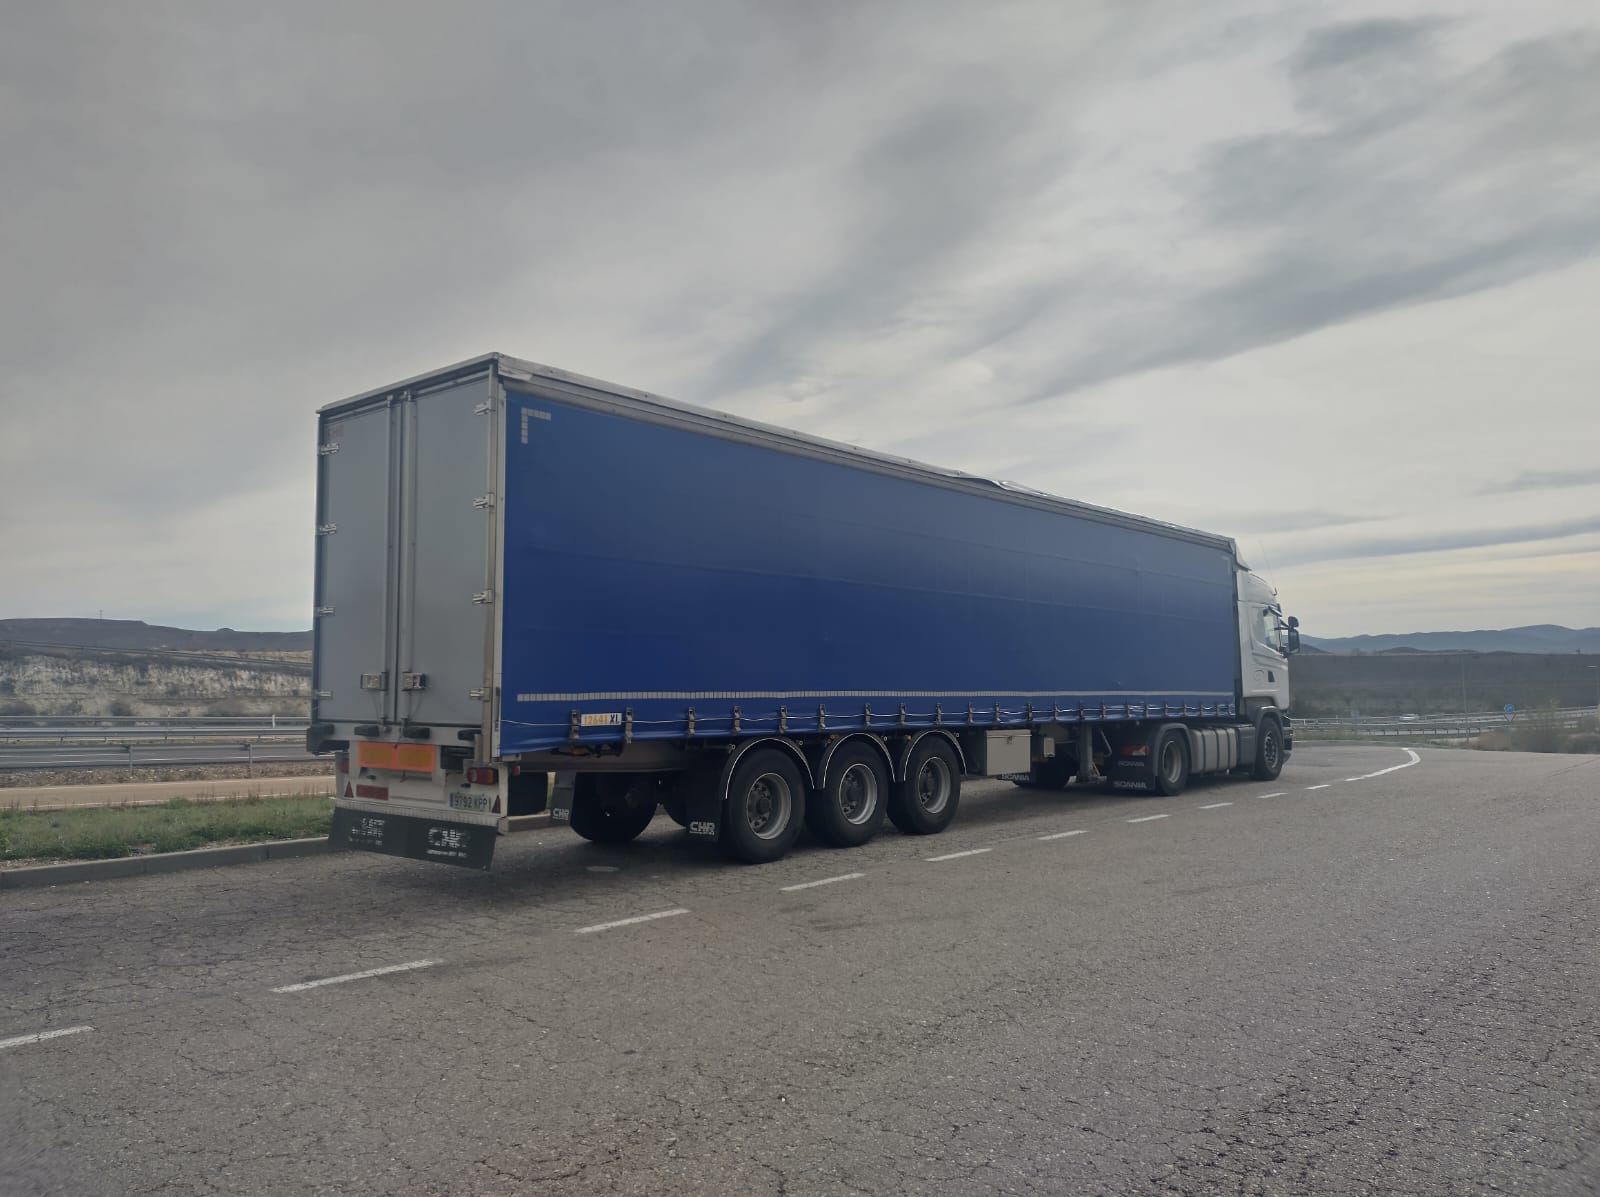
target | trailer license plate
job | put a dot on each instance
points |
(460, 801)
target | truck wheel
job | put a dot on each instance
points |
(1171, 762)
(612, 808)
(1269, 751)
(1053, 774)
(848, 810)
(677, 809)
(528, 793)
(926, 801)
(766, 806)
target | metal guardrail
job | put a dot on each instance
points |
(1443, 725)
(291, 722)
(73, 758)
(65, 743)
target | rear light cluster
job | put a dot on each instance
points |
(1136, 750)
(483, 775)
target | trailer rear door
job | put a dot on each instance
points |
(405, 541)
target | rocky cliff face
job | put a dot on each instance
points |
(83, 682)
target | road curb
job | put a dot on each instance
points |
(159, 862)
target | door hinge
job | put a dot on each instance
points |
(483, 502)
(375, 681)
(413, 681)
(478, 695)
(484, 408)
(330, 448)
(321, 611)
(483, 596)
(322, 694)
(327, 529)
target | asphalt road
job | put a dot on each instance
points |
(1326, 985)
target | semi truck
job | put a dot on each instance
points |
(540, 592)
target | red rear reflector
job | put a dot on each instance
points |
(483, 775)
(373, 792)
(341, 762)
(1136, 750)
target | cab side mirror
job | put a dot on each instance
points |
(1294, 634)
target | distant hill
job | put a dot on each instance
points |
(1537, 638)
(136, 634)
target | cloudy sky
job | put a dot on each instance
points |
(1325, 277)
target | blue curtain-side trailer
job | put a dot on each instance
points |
(521, 572)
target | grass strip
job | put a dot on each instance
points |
(104, 833)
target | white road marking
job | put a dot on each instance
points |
(1214, 805)
(1323, 786)
(638, 918)
(1415, 760)
(41, 1036)
(789, 889)
(1275, 794)
(956, 855)
(1147, 818)
(1061, 835)
(361, 976)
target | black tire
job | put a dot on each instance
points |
(849, 808)
(677, 808)
(926, 801)
(612, 808)
(766, 807)
(1269, 750)
(1169, 763)
(527, 793)
(1054, 774)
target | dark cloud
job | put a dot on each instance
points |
(1441, 542)
(1411, 181)
(1356, 43)
(923, 191)
(1543, 480)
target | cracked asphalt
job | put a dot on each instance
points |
(1388, 985)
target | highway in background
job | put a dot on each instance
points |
(1376, 975)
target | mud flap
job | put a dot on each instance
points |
(469, 845)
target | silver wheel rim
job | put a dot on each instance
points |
(858, 794)
(933, 785)
(1269, 748)
(1171, 762)
(767, 806)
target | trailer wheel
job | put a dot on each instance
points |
(1269, 750)
(612, 808)
(677, 809)
(926, 801)
(766, 807)
(849, 808)
(1054, 774)
(1170, 762)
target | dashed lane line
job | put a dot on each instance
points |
(789, 889)
(956, 855)
(1061, 835)
(638, 918)
(1214, 805)
(1148, 818)
(41, 1036)
(1323, 786)
(408, 966)
(1275, 794)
